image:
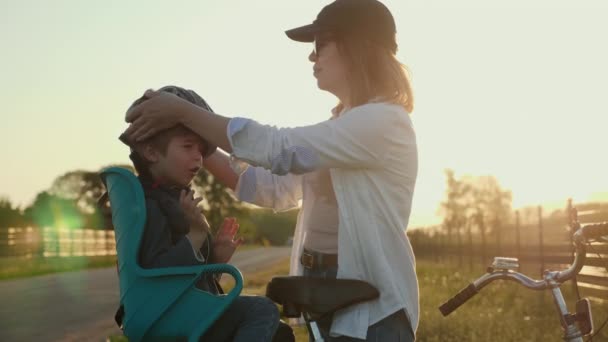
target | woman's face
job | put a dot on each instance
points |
(329, 67)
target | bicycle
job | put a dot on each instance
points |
(575, 325)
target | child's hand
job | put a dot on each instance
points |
(225, 244)
(189, 206)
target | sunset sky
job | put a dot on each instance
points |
(515, 88)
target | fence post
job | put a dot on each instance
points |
(540, 236)
(572, 216)
(518, 236)
(460, 246)
(439, 244)
(482, 230)
(497, 227)
(471, 252)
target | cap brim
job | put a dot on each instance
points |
(305, 34)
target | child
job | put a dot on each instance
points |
(177, 233)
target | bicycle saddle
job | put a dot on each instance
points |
(317, 295)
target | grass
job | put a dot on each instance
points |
(501, 312)
(20, 267)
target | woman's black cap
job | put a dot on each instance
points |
(368, 19)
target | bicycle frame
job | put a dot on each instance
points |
(503, 268)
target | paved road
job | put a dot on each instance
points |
(80, 306)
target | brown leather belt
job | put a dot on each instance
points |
(316, 260)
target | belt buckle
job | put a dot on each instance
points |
(307, 260)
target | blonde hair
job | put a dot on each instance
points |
(375, 72)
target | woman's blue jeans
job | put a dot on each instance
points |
(394, 328)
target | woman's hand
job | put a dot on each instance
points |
(225, 243)
(161, 110)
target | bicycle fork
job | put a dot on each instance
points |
(571, 331)
(569, 321)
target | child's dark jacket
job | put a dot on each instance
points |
(164, 243)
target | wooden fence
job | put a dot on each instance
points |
(535, 249)
(52, 242)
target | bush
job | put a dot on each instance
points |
(268, 226)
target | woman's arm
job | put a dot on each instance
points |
(260, 187)
(211, 126)
(364, 137)
(163, 110)
(368, 136)
(256, 185)
(218, 164)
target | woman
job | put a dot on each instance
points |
(355, 173)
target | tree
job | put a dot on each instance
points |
(495, 202)
(476, 203)
(84, 187)
(271, 227)
(53, 211)
(10, 216)
(218, 202)
(454, 208)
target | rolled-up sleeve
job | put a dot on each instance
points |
(260, 187)
(360, 138)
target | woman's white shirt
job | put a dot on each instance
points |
(372, 156)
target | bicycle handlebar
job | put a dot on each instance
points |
(474, 288)
(459, 299)
(581, 236)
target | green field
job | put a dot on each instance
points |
(502, 311)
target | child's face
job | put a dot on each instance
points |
(182, 161)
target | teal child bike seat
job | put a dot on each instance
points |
(160, 303)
